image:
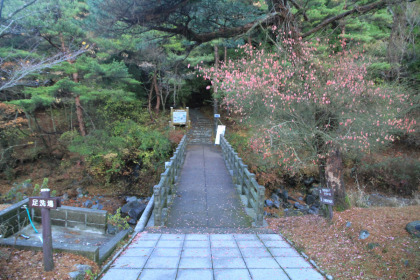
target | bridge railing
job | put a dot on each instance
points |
(245, 181)
(164, 191)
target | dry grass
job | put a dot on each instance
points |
(338, 250)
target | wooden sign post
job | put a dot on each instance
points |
(45, 202)
(326, 197)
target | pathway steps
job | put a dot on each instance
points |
(207, 234)
(210, 256)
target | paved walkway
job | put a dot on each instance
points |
(210, 256)
(207, 234)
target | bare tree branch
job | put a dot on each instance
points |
(13, 75)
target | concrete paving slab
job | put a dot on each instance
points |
(223, 244)
(196, 252)
(245, 237)
(197, 244)
(250, 244)
(293, 262)
(226, 274)
(130, 262)
(261, 263)
(117, 273)
(190, 274)
(255, 252)
(195, 262)
(137, 252)
(276, 244)
(265, 274)
(169, 244)
(284, 252)
(270, 237)
(162, 262)
(146, 236)
(226, 252)
(228, 263)
(215, 237)
(304, 274)
(144, 243)
(198, 237)
(177, 237)
(157, 274)
(167, 252)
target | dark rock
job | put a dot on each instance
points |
(110, 229)
(414, 228)
(100, 206)
(87, 204)
(285, 195)
(133, 204)
(286, 205)
(132, 222)
(310, 199)
(363, 234)
(300, 198)
(277, 204)
(130, 198)
(308, 182)
(274, 197)
(269, 203)
(313, 210)
(80, 273)
(314, 192)
(136, 212)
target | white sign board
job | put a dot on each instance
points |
(179, 117)
(220, 131)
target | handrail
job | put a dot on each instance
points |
(165, 190)
(244, 181)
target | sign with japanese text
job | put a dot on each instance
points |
(42, 202)
(326, 196)
(179, 117)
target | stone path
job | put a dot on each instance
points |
(208, 235)
(210, 256)
(201, 131)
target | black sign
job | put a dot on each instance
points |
(42, 202)
(326, 196)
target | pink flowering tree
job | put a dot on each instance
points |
(307, 110)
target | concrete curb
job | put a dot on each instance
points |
(139, 228)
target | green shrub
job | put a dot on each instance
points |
(399, 175)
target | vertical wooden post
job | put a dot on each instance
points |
(46, 234)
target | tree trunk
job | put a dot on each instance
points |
(155, 85)
(79, 111)
(397, 42)
(334, 177)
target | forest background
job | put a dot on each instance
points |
(320, 90)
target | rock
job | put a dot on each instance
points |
(88, 204)
(308, 182)
(269, 203)
(314, 191)
(414, 228)
(274, 197)
(65, 197)
(300, 198)
(111, 229)
(80, 195)
(100, 206)
(80, 273)
(130, 198)
(136, 212)
(277, 204)
(292, 213)
(363, 234)
(310, 199)
(132, 204)
(348, 224)
(329, 277)
(285, 195)
(80, 190)
(132, 222)
(313, 210)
